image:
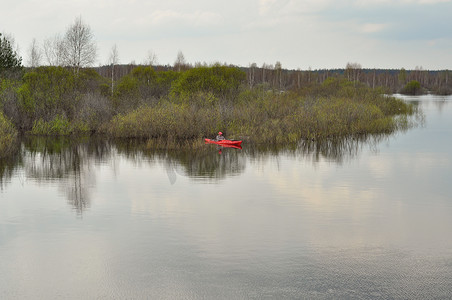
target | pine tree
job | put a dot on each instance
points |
(9, 60)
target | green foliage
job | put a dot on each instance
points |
(48, 93)
(128, 87)
(412, 88)
(58, 126)
(166, 120)
(164, 81)
(45, 92)
(142, 86)
(89, 81)
(144, 74)
(7, 90)
(10, 61)
(219, 81)
(402, 76)
(8, 136)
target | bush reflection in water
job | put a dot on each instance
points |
(70, 162)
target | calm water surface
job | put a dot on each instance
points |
(349, 219)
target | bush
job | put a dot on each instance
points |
(166, 120)
(8, 136)
(142, 86)
(46, 92)
(58, 126)
(412, 88)
(220, 81)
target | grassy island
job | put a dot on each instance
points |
(191, 104)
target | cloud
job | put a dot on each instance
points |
(197, 18)
(373, 27)
(398, 2)
(291, 7)
(429, 1)
(299, 33)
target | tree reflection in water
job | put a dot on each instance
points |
(63, 161)
(69, 162)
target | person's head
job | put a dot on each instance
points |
(220, 133)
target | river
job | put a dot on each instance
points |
(367, 218)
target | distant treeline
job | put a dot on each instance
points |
(393, 80)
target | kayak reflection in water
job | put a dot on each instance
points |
(219, 137)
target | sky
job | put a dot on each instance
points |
(316, 34)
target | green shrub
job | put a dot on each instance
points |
(142, 86)
(45, 92)
(8, 136)
(412, 88)
(58, 126)
(220, 81)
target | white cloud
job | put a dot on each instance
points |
(373, 28)
(431, 1)
(395, 2)
(288, 7)
(197, 18)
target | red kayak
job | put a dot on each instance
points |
(226, 143)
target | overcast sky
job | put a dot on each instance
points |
(298, 33)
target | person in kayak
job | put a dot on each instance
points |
(219, 137)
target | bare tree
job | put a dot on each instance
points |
(34, 54)
(298, 78)
(264, 67)
(353, 71)
(113, 60)
(80, 48)
(278, 69)
(151, 59)
(54, 50)
(180, 61)
(251, 74)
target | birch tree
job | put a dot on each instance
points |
(180, 61)
(34, 54)
(54, 50)
(80, 47)
(251, 74)
(353, 71)
(278, 69)
(151, 59)
(113, 60)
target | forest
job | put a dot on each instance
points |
(173, 104)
